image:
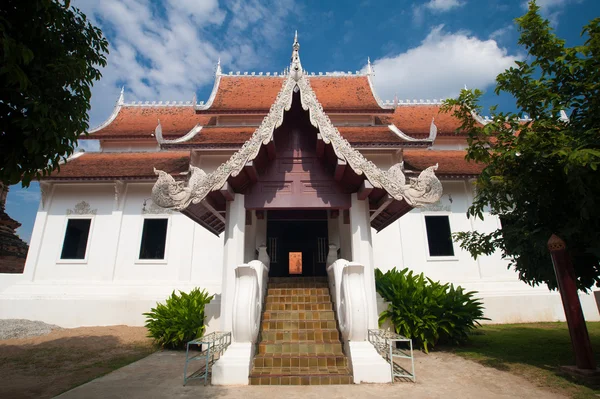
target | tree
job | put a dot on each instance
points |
(50, 56)
(541, 175)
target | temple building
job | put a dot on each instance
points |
(281, 194)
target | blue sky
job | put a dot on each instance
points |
(166, 50)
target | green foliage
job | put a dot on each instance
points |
(542, 174)
(49, 57)
(179, 320)
(427, 311)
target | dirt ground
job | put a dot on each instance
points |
(45, 366)
(439, 375)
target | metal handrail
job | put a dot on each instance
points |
(212, 344)
(385, 343)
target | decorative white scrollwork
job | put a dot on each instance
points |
(347, 287)
(250, 287)
(82, 208)
(169, 193)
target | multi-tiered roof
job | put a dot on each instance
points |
(240, 105)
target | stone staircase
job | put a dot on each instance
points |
(299, 341)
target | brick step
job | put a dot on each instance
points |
(315, 325)
(296, 379)
(299, 306)
(299, 335)
(298, 315)
(306, 348)
(297, 291)
(294, 360)
(297, 279)
(297, 298)
(323, 284)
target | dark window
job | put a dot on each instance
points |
(76, 238)
(154, 238)
(439, 236)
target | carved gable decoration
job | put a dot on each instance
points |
(82, 208)
(169, 193)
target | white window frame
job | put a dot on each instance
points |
(87, 246)
(162, 261)
(428, 256)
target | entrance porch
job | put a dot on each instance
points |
(298, 200)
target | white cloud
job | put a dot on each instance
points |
(551, 9)
(502, 32)
(27, 195)
(545, 4)
(443, 5)
(167, 51)
(441, 66)
(434, 6)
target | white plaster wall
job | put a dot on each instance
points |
(505, 297)
(111, 286)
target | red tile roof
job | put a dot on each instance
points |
(122, 165)
(254, 94)
(365, 135)
(346, 94)
(140, 122)
(449, 162)
(213, 136)
(415, 120)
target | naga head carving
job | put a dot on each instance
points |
(169, 193)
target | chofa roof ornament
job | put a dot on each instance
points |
(423, 190)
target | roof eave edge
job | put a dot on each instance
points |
(118, 105)
(213, 94)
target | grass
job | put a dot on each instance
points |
(534, 351)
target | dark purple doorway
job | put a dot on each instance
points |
(297, 243)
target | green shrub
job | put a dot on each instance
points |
(179, 320)
(427, 311)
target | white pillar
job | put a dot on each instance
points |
(261, 231)
(333, 229)
(249, 240)
(362, 252)
(233, 256)
(367, 365)
(345, 236)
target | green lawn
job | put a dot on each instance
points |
(533, 351)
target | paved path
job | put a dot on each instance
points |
(439, 375)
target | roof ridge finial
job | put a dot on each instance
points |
(296, 70)
(121, 99)
(396, 100)
(370, 70)
(218, 71)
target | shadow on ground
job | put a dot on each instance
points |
(42, 367)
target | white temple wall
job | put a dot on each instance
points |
(111, 285)
(505, 297)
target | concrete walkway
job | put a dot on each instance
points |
(439, 375)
